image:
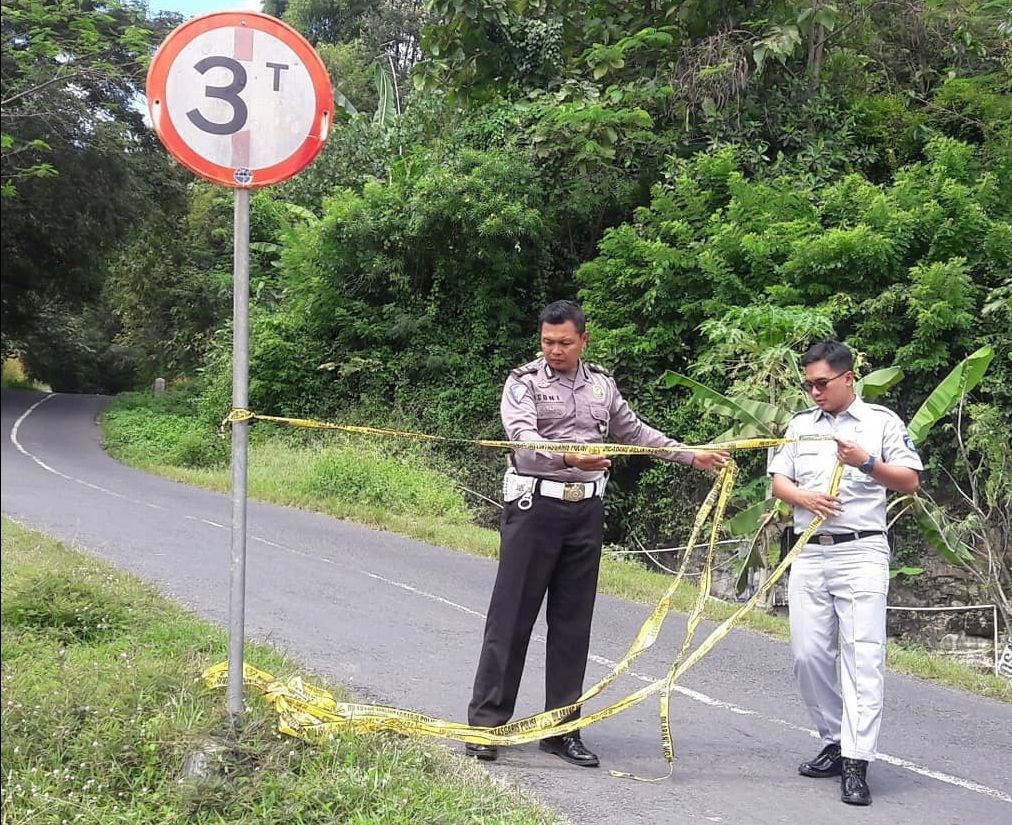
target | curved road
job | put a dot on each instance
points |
(399, 621)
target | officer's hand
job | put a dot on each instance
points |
(584, 461)
(711, 462)
(850, 453)
(819, 503)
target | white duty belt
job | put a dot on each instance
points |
(522, 489)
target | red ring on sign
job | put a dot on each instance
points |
(157, 82)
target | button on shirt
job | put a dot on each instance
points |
(585, 406)
(810, 464)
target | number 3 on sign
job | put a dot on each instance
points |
(240, 98)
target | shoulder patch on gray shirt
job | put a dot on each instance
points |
(517, 391)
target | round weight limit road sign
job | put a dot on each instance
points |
(240, 98)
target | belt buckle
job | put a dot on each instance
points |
(824, 538)
(572, 492)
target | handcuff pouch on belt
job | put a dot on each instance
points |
(519, 489)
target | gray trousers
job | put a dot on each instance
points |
(837, 599)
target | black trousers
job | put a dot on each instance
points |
(554, 548)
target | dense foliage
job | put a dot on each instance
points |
(915, 273)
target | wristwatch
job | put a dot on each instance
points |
(868, 466)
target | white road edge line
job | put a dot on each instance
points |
(47, 468)
(691, 694)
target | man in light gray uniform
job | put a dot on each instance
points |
(552, 524)
(839, 582)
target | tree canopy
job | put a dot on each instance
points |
(79, 167)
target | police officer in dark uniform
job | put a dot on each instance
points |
(551, 528)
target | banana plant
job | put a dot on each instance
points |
(973, 530)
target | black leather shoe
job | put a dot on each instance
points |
(854, 786)
(570, 748)
(829, 762)
(486, 753)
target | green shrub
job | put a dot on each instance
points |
(139, 432)
(415, 296)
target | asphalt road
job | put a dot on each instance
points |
(399, 621)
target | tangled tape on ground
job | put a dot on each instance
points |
(305, 710)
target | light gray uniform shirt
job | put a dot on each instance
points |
(810, 464)
(540, 404)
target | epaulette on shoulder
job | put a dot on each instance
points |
(802, 412)
(598, 368)
(527, 369)
(891, 413)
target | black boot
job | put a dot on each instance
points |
(829, 762)
(570, 748)
(854, 784)
(486, 753)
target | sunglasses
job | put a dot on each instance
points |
(820, 384)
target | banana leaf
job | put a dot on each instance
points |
(939, 531)
(740, 431)
(878, 382)
(766, 419)
(344, 103)
(386, 108)
(966, 375)
(747, 521)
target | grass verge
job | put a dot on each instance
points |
(405, 490)
(102, 707)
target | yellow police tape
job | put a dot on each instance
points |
(305, 710)
(604, 449)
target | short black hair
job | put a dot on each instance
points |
(558, 312)
(837, 355)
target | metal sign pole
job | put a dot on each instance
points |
(233, 135)
(240, 445)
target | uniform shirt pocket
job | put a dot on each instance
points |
(601, 417)
(812, 462)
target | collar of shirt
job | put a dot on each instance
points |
(858, 410)
(575, 379)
